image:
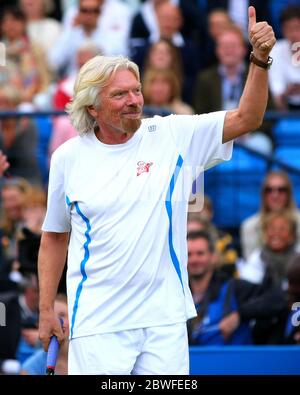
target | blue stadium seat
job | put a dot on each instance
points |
(234, 187)
(291, 156)
(287, 132)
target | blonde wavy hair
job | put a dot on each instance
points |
(93, 76)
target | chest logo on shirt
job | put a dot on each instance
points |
(151, 128)
(143, 167)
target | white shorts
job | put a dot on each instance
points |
(155, 350)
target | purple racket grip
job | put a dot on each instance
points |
(52, 353)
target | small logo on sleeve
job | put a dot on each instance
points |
(143, 167)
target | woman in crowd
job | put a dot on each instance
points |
(161, 88)
(277, 195)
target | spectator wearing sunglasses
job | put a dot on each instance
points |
(88, 25)
(114, 21)
(62, 57)
(276, 195)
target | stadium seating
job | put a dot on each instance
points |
(234, 187)
(286, 132)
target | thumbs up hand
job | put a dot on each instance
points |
(261, 36)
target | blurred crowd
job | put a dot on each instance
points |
(193, 57)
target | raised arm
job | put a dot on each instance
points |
(250, 112)
(52, 258)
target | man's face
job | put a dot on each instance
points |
(230, 49)
(200, 259)
(89, 11)
(218, 21)
(121, 104)
(169, 19)
(291, 30)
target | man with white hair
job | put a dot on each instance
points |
(116, 204)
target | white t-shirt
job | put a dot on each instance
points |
(284, 71)
(125, 206)
(44, 32)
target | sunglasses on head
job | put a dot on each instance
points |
(90, 10)
(281, 189)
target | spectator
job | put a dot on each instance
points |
(224, 305)
(291, 331)
(29, 305)
(145, 22)
(11, 331)
(29, 235)
(270, 262)
(35, 209)
(285, 75)
(220, 87)
(170, 20)
(27, 57)
(40, 28)
(285, 329)
(276, 195)
(276, 7)
(113, 24)
(225, 249)
(218, 21)
(164, 55)
(13, 194)
(237, 10)
(63, 56)
(18, 138)
(36, 364)
(161, 88)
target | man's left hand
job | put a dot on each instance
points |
(261, 36)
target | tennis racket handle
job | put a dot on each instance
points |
(53, 351)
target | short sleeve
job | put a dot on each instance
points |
(199, 139)
(58, 215)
